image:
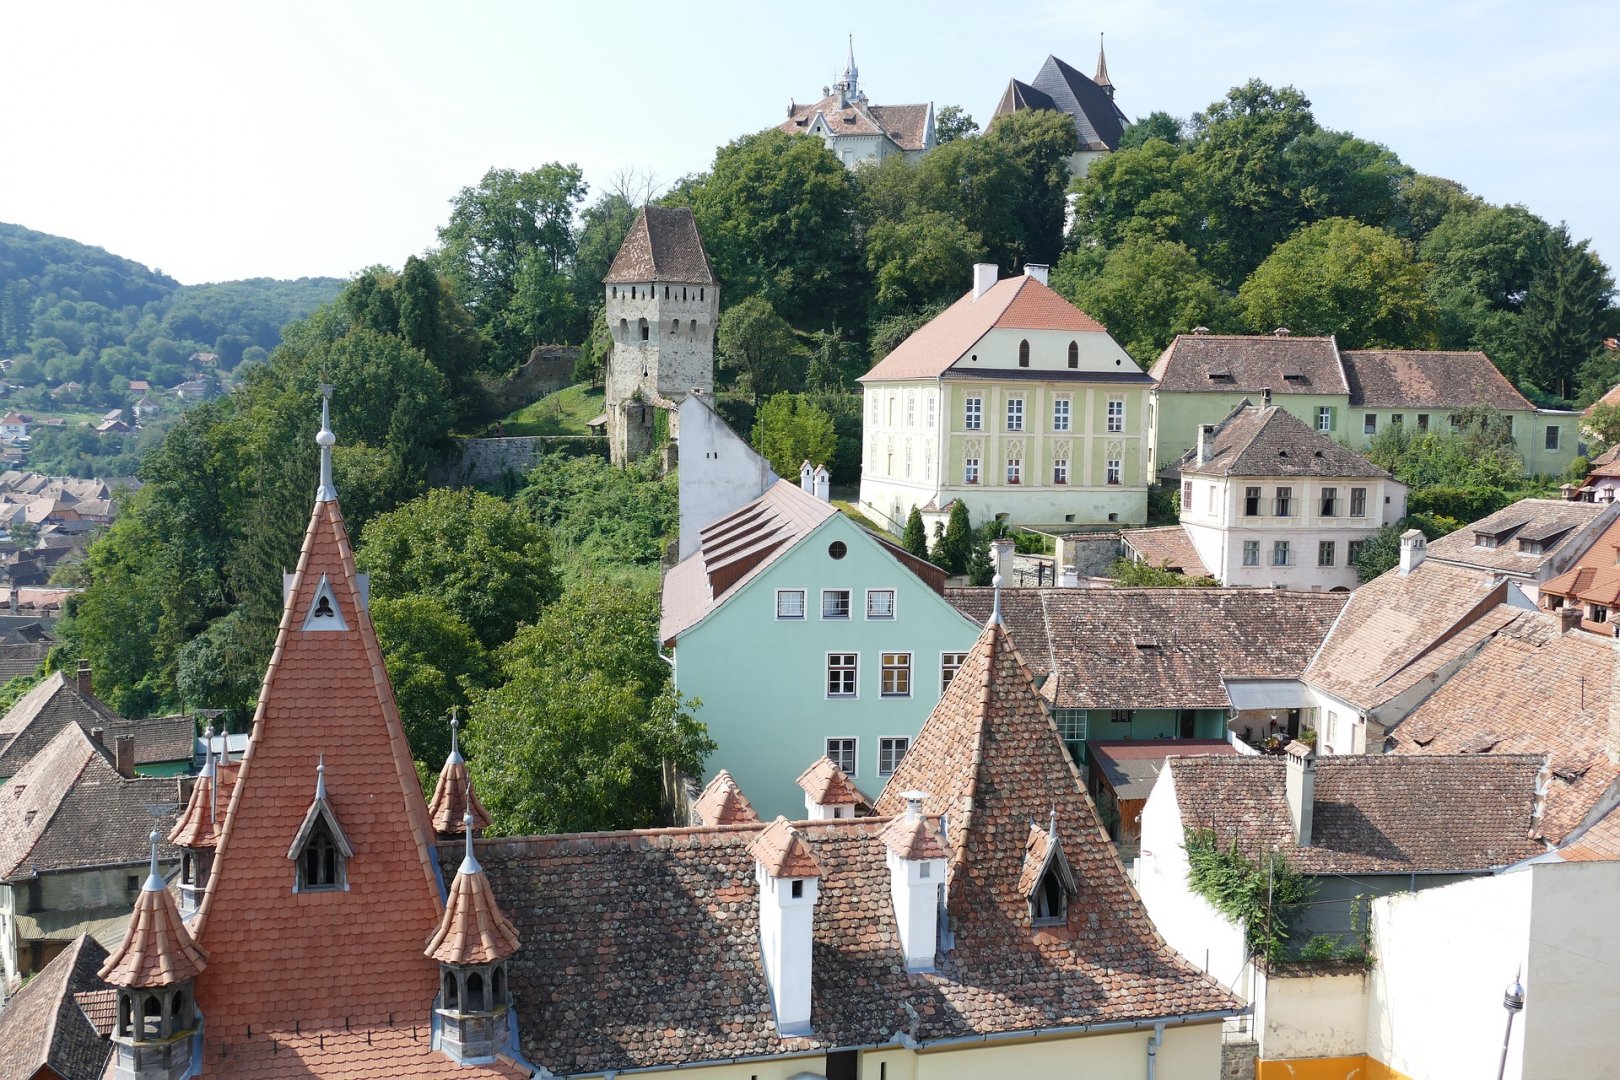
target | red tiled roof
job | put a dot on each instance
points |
(1600, 843)
(1168, 547)
(200, 824)
(1271, 441)
(1552, 523)
(905, 125)
(1020, 303)
(723, 803)
(157, 950)
(783, 852)
(473, 930)
(828, 785)
(369, 1051)
(454, 796)
(913, 838)
(1595, 576)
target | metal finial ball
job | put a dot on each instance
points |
(996, 581)
(326, 439)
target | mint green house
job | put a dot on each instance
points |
(803, 635)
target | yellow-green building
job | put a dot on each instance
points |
(1013, 401)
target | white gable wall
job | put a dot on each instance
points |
(719, 472)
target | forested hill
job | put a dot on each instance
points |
(72, 312)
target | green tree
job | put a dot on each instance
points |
(1479, 453)
(1147, 192)
(919, 262)
(1155, 125)
(1566, 313)
(1040, 142)
(601, 515)
(1341, 277)
(757, 348)
(951, 123)
(791, 430)
(602, 229)
(434, 661)
(1380, 553)
(1602, 425)
(585, 702)
(956, 545)
(1146, 292)
(915, 538)
(223, 668)
(1131, 573)
(478, 556)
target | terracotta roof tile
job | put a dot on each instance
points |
(375, 1050)
(473, 930)
(662, 245)
(1241, 364)
(723, 803)
(905, 125)
(783, 853)
(200, 824)
(454, 796)
(1600, 843)
(157, 950)
(1395, 378)
(1550, 526)
(1271, 441)
(913, 838)
(1167, 546)
(828, 785)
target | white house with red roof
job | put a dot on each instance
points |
(1014, 401)
(855, 130)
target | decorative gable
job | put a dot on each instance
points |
(319, 850)
(324, 611)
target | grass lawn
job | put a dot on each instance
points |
(562, 413)
(849, 511)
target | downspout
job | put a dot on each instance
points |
(1153, 1050)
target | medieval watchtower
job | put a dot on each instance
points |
(662, 306)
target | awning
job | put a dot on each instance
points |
(1253, 695)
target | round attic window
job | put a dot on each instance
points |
(837, 549)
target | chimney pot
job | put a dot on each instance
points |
(124, 755)
(1300, 789)
(1265, 395)
(807, 481)
(984, 278)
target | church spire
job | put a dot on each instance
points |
(325, 440)
(1101, 78)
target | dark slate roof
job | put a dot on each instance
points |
(1373, 813)
(57, 701)
(1395, 379)
(1097, 120)
(44, 1031)
(1157, 648)
(1226, 364)
(22, 658)
(662, 245)
(1270, 441)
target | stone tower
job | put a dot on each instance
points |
(662, 306)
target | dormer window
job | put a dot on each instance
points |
(1047, 881)
(320, 852)
(320, 864)
(325, 613)
(1051, 901)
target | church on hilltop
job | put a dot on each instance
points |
(854, 129)
(1088, 102)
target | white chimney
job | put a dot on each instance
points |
(1001, 557)
(1300, 788)
(1038, 271)
(916, 861)
(1069, 578)
(1206, 439)
(828, 791)
(823, 484)
(1414, 548)
(807, 478)
(984, 278)
(789, 882)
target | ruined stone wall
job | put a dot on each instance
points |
(476, 462)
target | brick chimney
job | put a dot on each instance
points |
(124, 755)
(984, 278)
(1569, 617)
(84, 676)
(99, 737)
(1300, 788)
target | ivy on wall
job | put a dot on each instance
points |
(1258, 895)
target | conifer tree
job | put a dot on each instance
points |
(1566, 313)
(915, 539)
(957, 543)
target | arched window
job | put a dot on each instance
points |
(674, 327)
(151, 1018)
(646, 331)
(452, 999)
(624, 329)
(320, 865)
(1023, 354)
(692, 332)
(499, 995)
(1074, 354)
(475, 992)
(1051, 898)
(125, 1023)
(615, 292)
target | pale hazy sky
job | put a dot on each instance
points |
(218, 140)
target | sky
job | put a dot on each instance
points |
(217, 140)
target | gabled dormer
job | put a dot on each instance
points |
(320, 852)
(1047, 883)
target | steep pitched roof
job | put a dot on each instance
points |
(41, 713)
(1524, 535)
(662, 245)
(723, 803)
(905, 125)
(1595, 575)
(1413, 379)
(1399, 628)
(1018, 303)
(1021, 95)
(157, 950)
(1270, 441)
(1530, 690)
(1249, 364)
(913, 838)
(474, 930)
(1373, 813)
(828, 785)
(42, 1029)
(1156, 648)
(202, 820)
(1600, 843)
(69, 808)
(1097, 120)
(454, 797)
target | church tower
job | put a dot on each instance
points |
(662, 307)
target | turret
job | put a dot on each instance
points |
(454, 801)
(197, 831)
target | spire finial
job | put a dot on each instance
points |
(154, 880)
(469, 864)
(995, 612)
(1101, 78)
(320, 777)
(325, 440)
(211, 772)
(455, 746)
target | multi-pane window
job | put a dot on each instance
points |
(896, 674)
(880, 603)
(874, 409)
(1015, 470)
(1060, 414)
(1015, 414)
(932, 408)
(1115, 472)
(1325, 552)
(1597, 613)
(1279, 553)
(949, 662)
(1369, 424)
(970, 470)
(1330, 502)
(1352, 549)
(835, 603)
(911, 410)
(790, 603)
(973, 413)
(1071, 725)
(1358, 502)
(1119, 716)
(1251, 502)
(1116, 414)
(841, 675)
(1060, 470)
(890, 751)
(1552, 437)
(1251, 553)
(1324, 418)
(1284, 502)
(1186, 493)
(841, 752)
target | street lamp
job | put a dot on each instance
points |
(1513, 1002)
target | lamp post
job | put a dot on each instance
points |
(1513, 1002)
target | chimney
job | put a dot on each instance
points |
(1038, 271)
(1265, 396)
(1569, 617)
(99, 737)
(1300, 786)
(1281, 331)
(1414, 548)
(789, 880)
(916, 861)
(1001, 557)
(1569, 492)
(1206, 437)
(1200, 331)
(807, 478)
(984, 278)
(84, 676)
(1069, 578)
(823, 484)
(124, 755)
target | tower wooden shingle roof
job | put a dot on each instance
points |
(473, 930)
(157, 950)
(662, 245)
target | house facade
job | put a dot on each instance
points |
(1016, 403)
(848, 641)
(858, 132)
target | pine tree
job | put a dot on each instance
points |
(957, 544)
(914, 539)
(1566, 313)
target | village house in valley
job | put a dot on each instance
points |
(1012, 401)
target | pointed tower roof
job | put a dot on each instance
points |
(156, 950)
(454, 799)
(199, 826)
(723, 803)
(662, 245)
(473, 930)
(277, 956)
(828, 785)
(783, 853)
(1101, 78)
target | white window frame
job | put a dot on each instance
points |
(1251, 547)
(932, 411)
(911, 410)
(973, 414)
(1074, 725)
(1324, 418)
(1015, 414)
(909, 666)
(970, 471)
(1116, 414)
(1060, 470)
(893, 599)
(1283, 548)
(1330, 548)
(854, 752)
(886, 748)
(1062, 410)
(849, 605)
(804, 601)
(854, 669)
(1114, 471)
(1015, 471)
(1551, 440)
(945, 664)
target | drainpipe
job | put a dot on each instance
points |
(1153, 1050)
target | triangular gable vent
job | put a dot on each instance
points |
(324, 612)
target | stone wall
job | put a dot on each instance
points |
(548, 369)
(1237, 1060)
(476, 462)
(1091, 554)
